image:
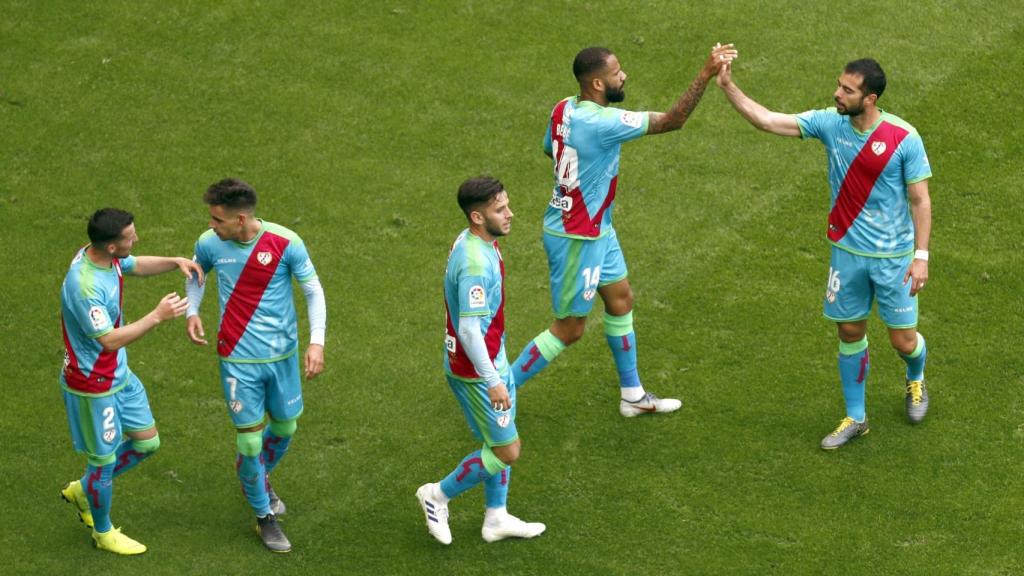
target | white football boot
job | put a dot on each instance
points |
(499, 524)
(649, 404)
(435, 508)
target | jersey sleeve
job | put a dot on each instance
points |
(547, 141)
(617, 126)
(127, 264)
(202, 256)
(915, 160)
(813, 123)
(298, 261)
(90, 311)
(472, 291)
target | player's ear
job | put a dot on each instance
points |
(476, 217)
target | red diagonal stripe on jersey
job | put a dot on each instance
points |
(861, 177)
(576, 220)
(102, 376)
(458, 361)
(248, 292)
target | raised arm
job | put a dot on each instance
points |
(153, 265)
(660, 122)
(170, 306)
(761, 117)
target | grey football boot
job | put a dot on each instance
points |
(272, 535)
(917, 400)
(846, 431)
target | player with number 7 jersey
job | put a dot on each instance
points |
(584, 139)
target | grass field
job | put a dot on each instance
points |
(357, 121)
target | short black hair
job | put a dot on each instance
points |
(588, 61)
(231, 193)
(107, 224)
(477, 191)
(871, 71)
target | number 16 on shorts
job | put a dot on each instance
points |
(833, 285)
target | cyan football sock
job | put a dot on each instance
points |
(915, 361)
(621, 339)
(251, 471)
(132, 452)
(98, 484)
(496, 488)
(474, 469)
(276, 439)
(537, 354)
(854, 365)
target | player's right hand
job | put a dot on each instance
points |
(171, 306)
(499, 397)
(721, 56)
(194, 329)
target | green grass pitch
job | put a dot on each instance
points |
(356, 121)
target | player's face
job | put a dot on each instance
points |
(122, 247)
(498, 216)
(849, 96)
(225, 223)
(614, 81)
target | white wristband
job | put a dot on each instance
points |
(921, 255)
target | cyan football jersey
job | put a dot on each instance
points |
(254, 280)
(90, 306)
(584, 139)
(474, 286)
(869, 173)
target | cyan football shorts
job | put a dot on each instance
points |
(490, 426)
(854, 281)
(253, 389)
(98, 422)
(579, 267)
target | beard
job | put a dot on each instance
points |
(852, 110)
(494, 229)
(615, 94)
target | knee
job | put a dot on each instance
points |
(569, 330)
(283, 428)
(147, 446)
(852, 332)
(905, 342)
(508, 454)
(621, 304)
(249, 443)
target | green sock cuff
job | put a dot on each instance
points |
(249, 443)
(101, 460)
(549, 345)
(618, 325)
(148, 445)
(919, 349)
(283, 428)
(492, 463)
(848, 348)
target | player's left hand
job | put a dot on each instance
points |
(918, 272)
(188, 268)
(314, 361)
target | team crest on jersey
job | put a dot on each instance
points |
(631, 119)
(477, 297)
(504, 419)
(264, 257)
(878, 148)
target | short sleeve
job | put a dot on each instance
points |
(127, 264)
(617, 126)
(91, 313)
(298, 261)
(547, 141)
(811, 123)
(472, 296)
(202, 256)
(915, 160)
